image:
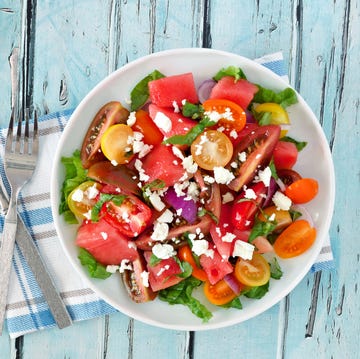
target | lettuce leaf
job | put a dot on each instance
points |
(233, 71)
(284, 98)
(181, 293)
(75, 174)
(140, 93)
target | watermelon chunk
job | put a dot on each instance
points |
(240, 92)
(178, 125)
(163, 92)
(164, 274)
(215, 267)
(162, 164)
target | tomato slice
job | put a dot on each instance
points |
(110, 114)
(185, 254)
(212, 149)
(295, 239)
(219, 293)
(244, 210)
(116, 144)
(258, 146)
(302, 190)
(285, 155)
(233, 117)
(145, 125)
(254, 272)
(130, 217)
(83, 198)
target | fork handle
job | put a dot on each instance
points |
(6, 254)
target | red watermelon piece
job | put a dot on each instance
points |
(240, 92)
(180, 124)
(162, 164)
(163, 92)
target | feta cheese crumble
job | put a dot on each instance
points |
(163, 122)
(281, 201)
(243, 249)
(222, 175)
(163, 251)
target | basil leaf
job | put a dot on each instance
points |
(235, 303)
(262, 118)
(257, 292)
(192, 111)
(154, 260)
(299, 144)
(105, 197)
(275, 269)
(181, 293)
(273, 169)
(194, 132)
(233, 71)
(95, 269)
(261, 228)
(140, 93)
(284, 98)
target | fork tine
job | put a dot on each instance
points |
(18, 133)
(9, 137)
(26, 135)
(35, 144)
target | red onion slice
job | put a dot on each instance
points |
(205, 89)
(304, 213)
(187, 206)
(272, 188)
(233, 283)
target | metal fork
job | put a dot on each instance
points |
(21, 152)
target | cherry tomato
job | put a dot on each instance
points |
(83, 198)
(279, 115)
(295, 239)
(212, 149)
(219, 293)
(281, 218)
(108, 115)
(115, 143)
(303, 190)
(285, 155)
(145, 125)
(258, 147)
(288, 176)
(233, 116)
(254, 272)
(130, 217)
(244, 210)
(185, 254)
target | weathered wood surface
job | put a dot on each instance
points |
(69, 46)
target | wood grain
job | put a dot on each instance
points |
(67, 47)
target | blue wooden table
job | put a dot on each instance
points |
(68, 46)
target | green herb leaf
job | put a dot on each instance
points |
(95, 269)
(154, 260)
(233, 71)
(275, 270)
(117, 199)
(203, 211)
(140, 93)
(75, 174)
(194, 132)
(261, 228)
(181, 293)
(284, 98)
(186, 268)
(299, 144)
(235, 303)
(257, 292)
(262, 118)
(295, 215)
(273, 169)
(192, 111)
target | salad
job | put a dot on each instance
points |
(190, 189)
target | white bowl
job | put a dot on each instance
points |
(314, 161)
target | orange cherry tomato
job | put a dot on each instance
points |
(254, 272)
(281, 218)
(212, 149)
(115, 143)
(295, 239)
(233, 116)
(145, 125)
(219, 293)
(302, 190)
(185, 254)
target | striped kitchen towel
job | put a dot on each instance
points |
(27, 310)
